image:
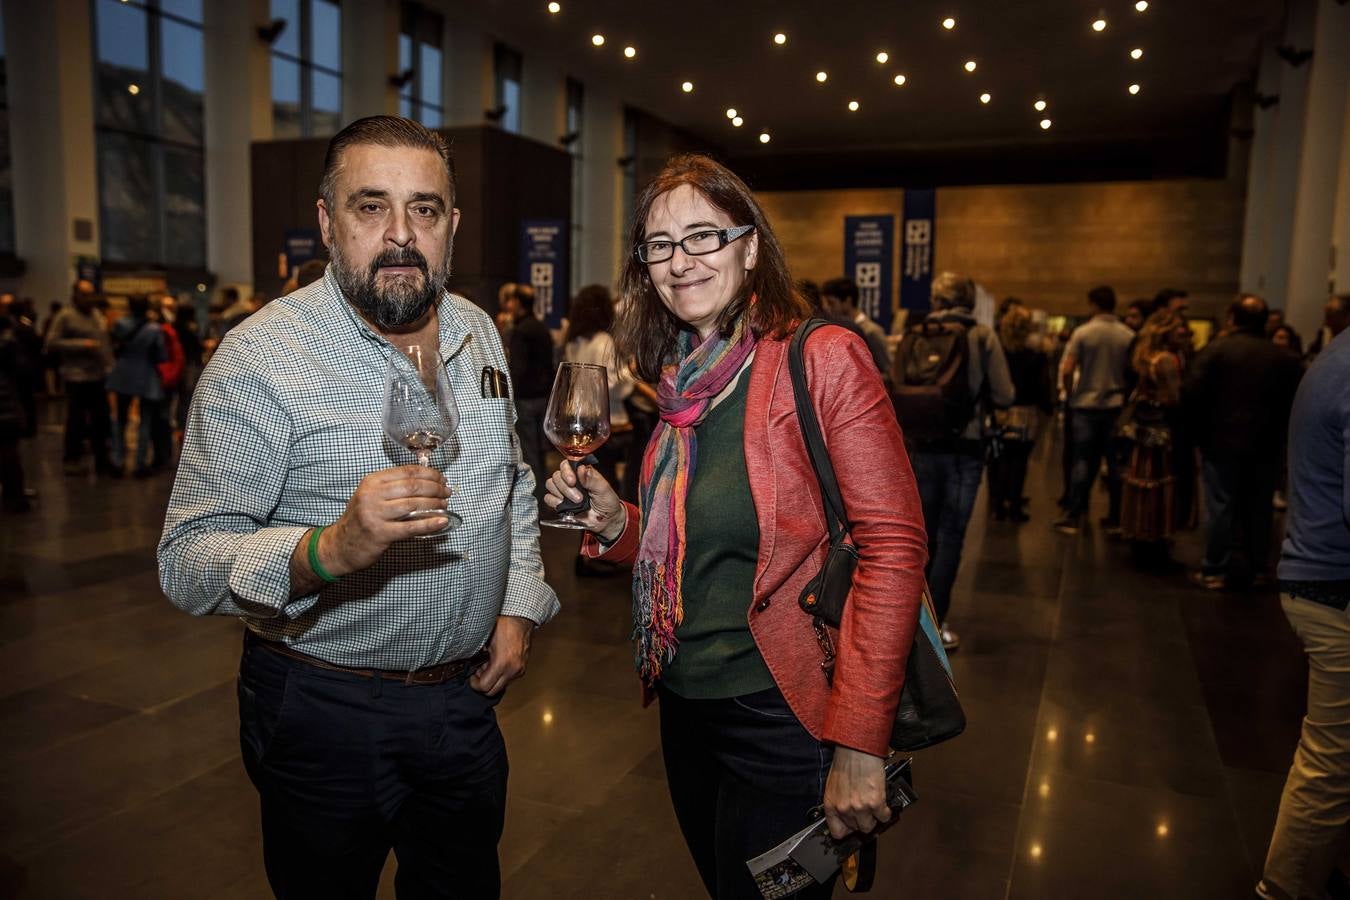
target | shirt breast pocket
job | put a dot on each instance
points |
(486, 433)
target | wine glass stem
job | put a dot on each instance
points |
(424, 458)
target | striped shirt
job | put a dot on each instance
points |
(284, 424)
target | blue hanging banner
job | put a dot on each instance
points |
(916, 270)
(543, 266)
(869, 259)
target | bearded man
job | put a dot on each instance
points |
(372, 662)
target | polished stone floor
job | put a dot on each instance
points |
(1128, 735)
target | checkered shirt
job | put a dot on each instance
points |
(284, 424)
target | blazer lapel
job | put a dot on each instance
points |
(770, 357)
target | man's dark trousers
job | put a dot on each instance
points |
(1094, 437)
(87, 418)
(348, 768)
(1239, 516)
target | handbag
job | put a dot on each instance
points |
(930, 711)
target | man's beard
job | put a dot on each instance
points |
(400, 303)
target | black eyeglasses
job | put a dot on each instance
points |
(700, 243)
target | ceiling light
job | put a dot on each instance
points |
(853, 106)
(555, 8)
(598, 40)
(970, 65)
(687, 86)
(1099, 24)
(821, 76)
(780, 39)
(900, 80)
(763, 137)
(738, 121)
(1141, 6)
(630, 52)
(1040, 105)
(1045, 124)
(1137, 53)
(731, 112)
(986, 97)
(133, 89)
(883, 56)
(1134, 89)
(949, 23)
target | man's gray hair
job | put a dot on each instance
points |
(953, 291)
(383, 131)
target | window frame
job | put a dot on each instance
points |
(305, 61)
(416, 20)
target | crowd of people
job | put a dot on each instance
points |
(125, 371)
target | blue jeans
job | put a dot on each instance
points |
(1238, 517)
(530, 433)
(743, 776)
(1094, 436)
(948, 485)
(349, 767)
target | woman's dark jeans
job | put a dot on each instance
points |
(744, 775)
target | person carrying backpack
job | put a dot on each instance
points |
(948, 371)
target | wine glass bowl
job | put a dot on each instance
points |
(577, 423)
(420, 414)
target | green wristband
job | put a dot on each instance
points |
(314, 557)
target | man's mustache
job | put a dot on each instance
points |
(408, 256)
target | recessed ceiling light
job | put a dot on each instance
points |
(986, 97)
(883, 56)
(1141, 6)
(598, 40)
(1040, 105)
(1137, 53)
(821, 76)
(1099, 24)
(555, 8)
(630, 52)
(1134, 89)
(949, 23)
(900, 80)
(853, 106)
(970, 65)
(763, 137)
(687, 86)
(1045, 124)
(133, 89)
(780, 39)
(731, 112)
(738, 121)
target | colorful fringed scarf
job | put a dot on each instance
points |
(684, 395)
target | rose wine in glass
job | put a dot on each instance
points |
(420, 413)
(577, 422)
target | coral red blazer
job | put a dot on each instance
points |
(879, 490)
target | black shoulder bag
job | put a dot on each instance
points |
(929, 710)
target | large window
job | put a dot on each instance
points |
(307, 68)
(507, 66)
(576, 97)
(629, 164)
(420, 66)
(152, 191)
(6, 168)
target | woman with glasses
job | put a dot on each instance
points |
(731, 529)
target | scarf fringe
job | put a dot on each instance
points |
(657, 612)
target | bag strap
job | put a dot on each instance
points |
(836, 515)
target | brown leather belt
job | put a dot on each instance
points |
(437, 674)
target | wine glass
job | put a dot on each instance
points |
(577, 422)
(420, 414)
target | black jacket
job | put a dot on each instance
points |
(1237, 395)
(531, 354)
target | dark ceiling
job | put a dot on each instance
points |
(1194, 53)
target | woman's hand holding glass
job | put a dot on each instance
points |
(606, 518)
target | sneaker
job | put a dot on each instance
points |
(1208, 582)
(1067, 525)
(950, 639)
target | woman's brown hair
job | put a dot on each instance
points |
(647, 331)
(1015, 328)
(590, 312)
(1154, 338)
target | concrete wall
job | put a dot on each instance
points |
(1047, 244)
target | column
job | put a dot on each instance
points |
(543, 101)
(55, 168)
(1256, 235)
(238, 110)
(1340, 241)
(369, 57)
(1315, 202)
(469, 58)
(601, 218)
